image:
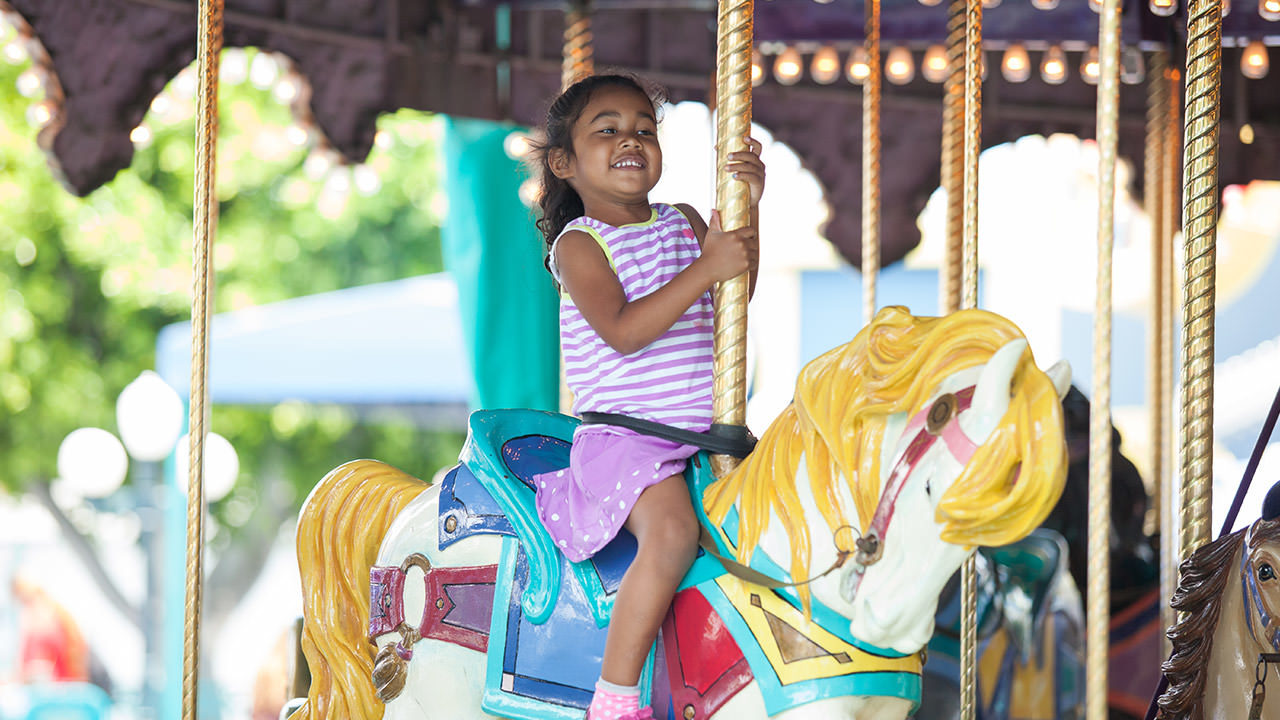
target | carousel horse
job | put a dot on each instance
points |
(903, 451)
(1227, 599)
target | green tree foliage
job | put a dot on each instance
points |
(86, 283)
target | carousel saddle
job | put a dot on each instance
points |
(719, 635)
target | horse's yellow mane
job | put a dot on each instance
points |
(339, 533)
(842, 401)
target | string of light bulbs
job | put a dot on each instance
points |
(786, 63)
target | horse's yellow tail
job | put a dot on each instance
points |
(339, 532)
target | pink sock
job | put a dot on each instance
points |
(611, 702)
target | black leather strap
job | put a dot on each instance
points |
(735, 440)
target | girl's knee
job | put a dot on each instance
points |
(675, 534)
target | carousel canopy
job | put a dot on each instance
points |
(104, 61)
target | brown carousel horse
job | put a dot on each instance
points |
(1228, 599)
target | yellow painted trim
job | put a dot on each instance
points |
(739, 594)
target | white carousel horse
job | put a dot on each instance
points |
(917, 441)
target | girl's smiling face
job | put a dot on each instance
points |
(616, 158)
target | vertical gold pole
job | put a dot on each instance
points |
(579, 58)
(1200, 220)
(578, 61)
(871, 164)
(1152, 191)
(209, 38)
(733, 125)
(953, 134)
(1098, 615)
(972, 149)
(1172, 204)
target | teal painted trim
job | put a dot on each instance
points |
(600, 603)
(487, 430)
(779, 697)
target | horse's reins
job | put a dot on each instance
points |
(938, 421)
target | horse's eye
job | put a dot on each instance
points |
(928, 489)
(1266, 573)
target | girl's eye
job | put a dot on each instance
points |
(646, 132)
(608, 131)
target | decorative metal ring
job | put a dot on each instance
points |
(417, 560)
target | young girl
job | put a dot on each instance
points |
(636, 333)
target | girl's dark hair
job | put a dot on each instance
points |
(558, 201)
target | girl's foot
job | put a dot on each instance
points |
(617, 702)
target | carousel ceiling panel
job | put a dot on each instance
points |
(356, 59)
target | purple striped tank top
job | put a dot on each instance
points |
(670, 380)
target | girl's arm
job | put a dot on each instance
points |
(629, 326)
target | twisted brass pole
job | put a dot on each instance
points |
(733, 124)
(1172, 205)
(209, 39)
(579, 56)
(871, 164)
(953, 133)
(972, 149)
(1153, 196)
(1098, 617)
(577, 62)
(1200, 220)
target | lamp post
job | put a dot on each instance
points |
(93, 463)
(149, 418)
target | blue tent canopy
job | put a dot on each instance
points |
(390, 344)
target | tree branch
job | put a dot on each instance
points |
(83, 547)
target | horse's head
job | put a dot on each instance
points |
(1260, 583)
(951, 481)
(925, 436)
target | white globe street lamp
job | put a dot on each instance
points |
(91, 463)
(149, 417)
(221, 465)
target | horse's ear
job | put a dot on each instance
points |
(1271, 506)
(1060, 374)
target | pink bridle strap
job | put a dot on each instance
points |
(924, 431)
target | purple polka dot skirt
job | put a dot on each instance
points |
(584, 505)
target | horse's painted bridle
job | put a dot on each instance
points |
(939, 421)
(1267, 622)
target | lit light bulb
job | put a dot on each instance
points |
(1016, 65)
(825, 66)
(1163, 8)
(1254, 62)
(1044, 4)
(1096, 6)
(988, 4)
(1269, 9)
(929, 3)
(1246, 134)
(934, 65)
(530, 192)
(1053, 68)
(1089, 66)
(1226, 8)
(757, 68)
(859, 67)
(899, 67)
(788, 67)
(41, 113)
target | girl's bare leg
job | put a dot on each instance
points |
(666, 530)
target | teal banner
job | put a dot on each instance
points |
(494, 253)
